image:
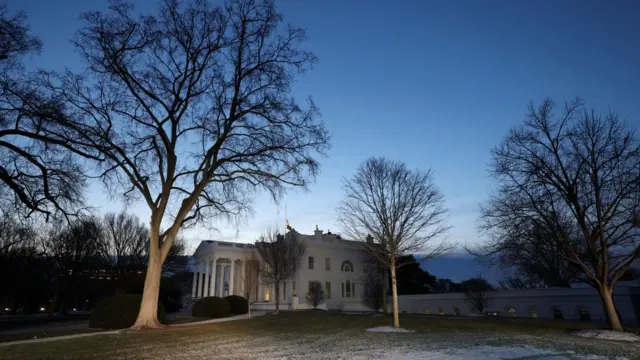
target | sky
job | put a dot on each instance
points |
(435, 84)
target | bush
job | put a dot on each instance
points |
(119, 312)
(239, 305)
(211, 307)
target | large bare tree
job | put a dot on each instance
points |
(251, 279)
(575, 174)
(38, 172)
(527, 251)
(401, 209)
(192, 109)
(124, 241)
(281, 256)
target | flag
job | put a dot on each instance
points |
(287, 224)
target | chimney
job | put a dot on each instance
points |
(369, 239)
(318, 234)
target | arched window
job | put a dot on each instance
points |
(533, 311)
(583, 312)
(511, 311)
(557, 313)
(426, 311)
(456, 311)
(347, 266)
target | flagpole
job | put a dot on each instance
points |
(285, 219)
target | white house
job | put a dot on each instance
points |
(338, 264)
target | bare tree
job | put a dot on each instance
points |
(528, 251)
(315, 296)
(191, 107)
(478, 293)
(15, 234)
(124, 242)
(72, 249)
(577, 176)
(38, 172)
(281, 256)
(401, 209)
(251, 279)
(373, 283)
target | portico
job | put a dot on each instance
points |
(219, 269)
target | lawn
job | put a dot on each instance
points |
(320, 335)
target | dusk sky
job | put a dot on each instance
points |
(434, 84)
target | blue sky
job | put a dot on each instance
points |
(433, 83)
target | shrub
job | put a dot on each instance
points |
(211, 307)
(316, 295)
(239, 305)
(119, 312)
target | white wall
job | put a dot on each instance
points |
(542, 300)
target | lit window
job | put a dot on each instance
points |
(327, 289)
(441, 311)
(426, 311)
(347, 266)
(310, 262)
(533, 312)
(327, 264)
(511, 311)
(266, 293)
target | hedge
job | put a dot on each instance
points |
(239, 305)
(211, 307)
(119, 312)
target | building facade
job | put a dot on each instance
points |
(339, 265)
(579, 303)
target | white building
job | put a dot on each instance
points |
(338, 264)
(578, 303)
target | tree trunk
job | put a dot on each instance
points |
(148, 315)
(277, 296)
(609, 308)
(394, 290)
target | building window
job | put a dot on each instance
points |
(511, 311)
(347, 266)
(441, 311)
(347, 288)
(557, 313)
(310, 286)
(533, 312)
(284, 289)
(342, 288)
(310, 262)
(293, 288)
(327, 289)
(583, 312)
(353, 289)
(327, 264)
(456, 311)
(366, 267)
(426, 311)
(266, 293)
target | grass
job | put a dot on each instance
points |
(300, 333)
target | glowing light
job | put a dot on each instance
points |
(42, 309)
(7, 309)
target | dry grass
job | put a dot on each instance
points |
(313, 333)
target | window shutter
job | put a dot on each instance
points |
(342, 289)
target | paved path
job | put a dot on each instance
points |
(113, 332)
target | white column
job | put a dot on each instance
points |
(232, 278)
(220, 287)
(243, 277)
(200, 278)
(195, 282)
(206, 279)
(212, 280)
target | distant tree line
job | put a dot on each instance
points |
(65, 267)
